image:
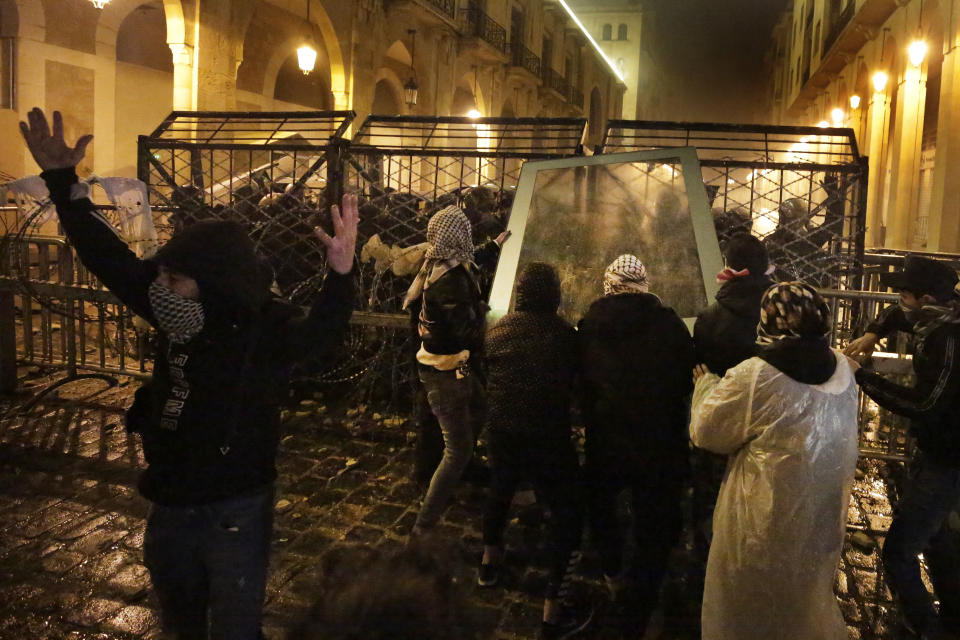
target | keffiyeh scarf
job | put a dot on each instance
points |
(626, 274)
(178, 317)
(450, 244)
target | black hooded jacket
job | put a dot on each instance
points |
(531, 357)
(637, 359)
(725, 333)
(209, 417)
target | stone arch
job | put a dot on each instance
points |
(111, 18)
(282, 54)
(292, 85)
(467, 89)
(399, 53)
(387, 93)
(142, 38)
(32, 21)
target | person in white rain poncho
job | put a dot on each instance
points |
(788, 420)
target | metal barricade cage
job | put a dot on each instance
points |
(269, 171)
(407, 168)
(801, 188)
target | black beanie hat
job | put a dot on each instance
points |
(220, 256)
(745, 251)
(538, 288)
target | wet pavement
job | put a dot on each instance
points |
(71, 525)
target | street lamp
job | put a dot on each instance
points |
(917, 51)
(307, 52)
(411, 90)
(473, 114)
(854, 102)
(823, 124)
(879, 81)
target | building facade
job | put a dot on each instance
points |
(119, 70)
(617, 25)
(890, 69)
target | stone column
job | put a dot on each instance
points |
(218, 52)
(904, 158)
(943, 231)
(877, 116)
(183, 96)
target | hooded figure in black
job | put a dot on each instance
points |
(635, 355)
(531, 361)
(209, 417)
(725, 333)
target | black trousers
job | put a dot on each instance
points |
(551, 465)
(656, 492)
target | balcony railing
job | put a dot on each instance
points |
(525, 59)
(446, 8)
(553, 80)
(482, 26)
(842, 20)
(576, 97)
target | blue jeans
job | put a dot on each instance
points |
(458, 404)
(208, 565)
(919, 526)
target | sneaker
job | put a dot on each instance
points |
(570, 623)
(488, 575)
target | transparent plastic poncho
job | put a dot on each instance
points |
(779, 523)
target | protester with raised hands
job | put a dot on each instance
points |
(209, 417)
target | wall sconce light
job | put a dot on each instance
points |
(854, 102)
(879, 81)
(473, 114)
(99, 3)
(837, 115)
(823, 124)
(411, 90)
(307, 53)
(917, 51)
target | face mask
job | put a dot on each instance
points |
(180, 318)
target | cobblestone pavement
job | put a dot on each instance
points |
(71, 525)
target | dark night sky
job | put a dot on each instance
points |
(712, 53)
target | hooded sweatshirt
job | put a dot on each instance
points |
(725, 333)
(531, 361)
(636, 356)
(209, 417)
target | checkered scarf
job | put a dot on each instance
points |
(626, 274)
(178, 317)
(450, 241)
(792, 309)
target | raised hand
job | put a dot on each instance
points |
(51, 151)
(343, 244)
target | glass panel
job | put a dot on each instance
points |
(581, 218)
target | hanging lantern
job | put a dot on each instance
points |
(306, 56)
(411, 92)
(917, 51)
(307, 53)
(880, 81)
